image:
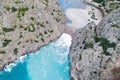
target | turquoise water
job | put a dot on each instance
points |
(48, 63)
(65, 4)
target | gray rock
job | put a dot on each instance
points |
(26, 25)
(95, 50)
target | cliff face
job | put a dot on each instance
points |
(26, 25)
(95, 50)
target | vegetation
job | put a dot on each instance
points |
(31, 28)
(36, 41)
(50, 31)
(45, 32)
(31, 40)
(40, 34)
(115, 25)
(21, 35)
(42, 39)
(32, 18)
(22, 11)
(113, 6)
(92, 14)
(88, 45)
(6, 42)
(7, 8)
(15, 51)
(118, 39)
(7, 29)
(13, 9)
(98, 1)
(47, 22)
(33, 7)
(46, 2)
(18, 43)
(0, 60)
(2, 52)
(57, 19)
(52, 13)
(105, 44)
(80, 57)
(110, 5)
(40, 24)
(18, 2)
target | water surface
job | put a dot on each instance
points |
(48, 63)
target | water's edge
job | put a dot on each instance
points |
(60, 46)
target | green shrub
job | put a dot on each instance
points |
(105, 44)
(115, 25)
(98, 1)
(15, 51)
(7, 8)
(80, 57)
(18, 2)
(6, 42)
(42, 39)
(50, 31)
(31, 29)
(7, 29)
(113, 6)
(88, 45)
(13, 9)
(21, 12)
(32, 18)
(45, 32)
(46, 1)
(2, 52)
(40, 24)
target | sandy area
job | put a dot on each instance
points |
(69, 30)
(81, 17)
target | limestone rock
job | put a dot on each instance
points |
(26, 25)
(95, 50)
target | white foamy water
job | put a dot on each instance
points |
(9, 67)
(43, 64)
(64, 39)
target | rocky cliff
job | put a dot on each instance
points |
(95, 50)
(26, 25)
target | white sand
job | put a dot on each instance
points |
(79, 17)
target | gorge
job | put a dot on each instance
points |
(36, 39)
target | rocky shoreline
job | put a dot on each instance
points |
(25, 26)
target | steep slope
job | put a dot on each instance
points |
(26, 25)
(95, 50)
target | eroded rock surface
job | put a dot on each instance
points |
(26, 25)
(95, 50)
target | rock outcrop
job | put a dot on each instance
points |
(105, 6)
(95, 50)
(26, 25)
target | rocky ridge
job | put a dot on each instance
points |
(26, 25)
(95, 50)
